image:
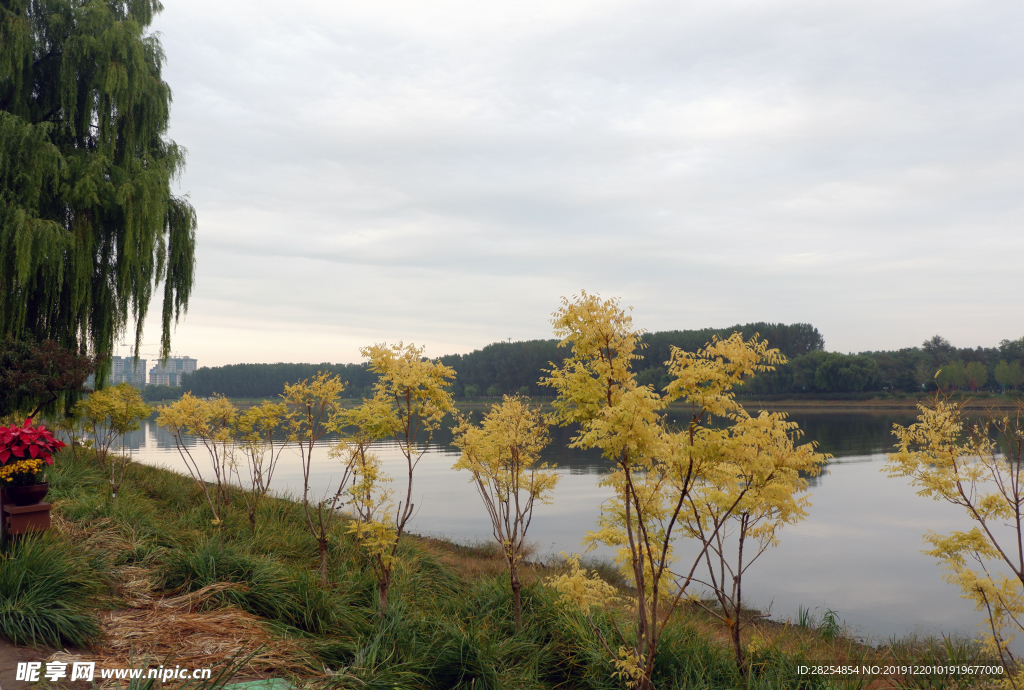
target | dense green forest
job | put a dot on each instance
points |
(509, 367)
(267, 380)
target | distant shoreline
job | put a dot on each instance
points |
(979, 403)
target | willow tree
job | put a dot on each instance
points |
(89, 228)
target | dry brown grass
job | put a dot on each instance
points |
(197, 639)
(159, 630)
(99, 535)
(168, 636)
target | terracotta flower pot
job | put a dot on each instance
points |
(27, 495)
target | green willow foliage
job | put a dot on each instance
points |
(88, 225)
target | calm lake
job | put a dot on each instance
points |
(858, 553)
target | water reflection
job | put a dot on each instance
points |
(841, 435)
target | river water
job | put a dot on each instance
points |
(858, 553)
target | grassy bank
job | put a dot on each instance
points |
(146, 578)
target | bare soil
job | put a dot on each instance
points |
(10, 655)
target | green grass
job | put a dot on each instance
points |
(46, 588)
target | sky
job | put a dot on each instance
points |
(443, 173)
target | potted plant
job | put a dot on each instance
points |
(24, 450)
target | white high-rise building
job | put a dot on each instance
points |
(169, 374)
(127, 370)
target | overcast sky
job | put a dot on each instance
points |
(443, 172)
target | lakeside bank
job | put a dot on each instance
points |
(153, 576)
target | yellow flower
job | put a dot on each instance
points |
(9, 470)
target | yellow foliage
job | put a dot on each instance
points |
(948, 459)
(706, 378)
(411, 397)
(260, 422)
(756, 644)
(695, 479)
(261, 434)
(378, 539)
(317, 407)
(580, 588)
(210, 422)
(629, 666)
(410, 390)
(369, 498)
(760, 473)
(369, 495)
(503, 456)
(316, 401)
(111, 413)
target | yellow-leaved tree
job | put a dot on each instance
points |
(369, 493)
(210, 422)
(977, 467)
(751, 470)
(261, 434)
(411, 397)
(660, 476)
(316, 407)
(109, 415)
(736, 511)
(503, 455)
(597, 390)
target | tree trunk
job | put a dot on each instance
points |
(734, 633)
(382, 597)
(323, 562)
(517, 602)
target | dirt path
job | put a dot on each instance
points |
(10, 655)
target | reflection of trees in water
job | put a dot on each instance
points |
(135, 439)
(862, 433)
(839, 433)
(815, 480)
(132, 441)
(557, 452)
(163, 438)
(843, 435)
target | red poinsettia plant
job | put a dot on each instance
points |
(23, 452)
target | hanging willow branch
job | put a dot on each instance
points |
(88, 225)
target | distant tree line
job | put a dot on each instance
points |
(503, 368)
(935, 365)
(489, 372)
(517, 367)
(268, 380)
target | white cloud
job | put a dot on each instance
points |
(443, 172)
